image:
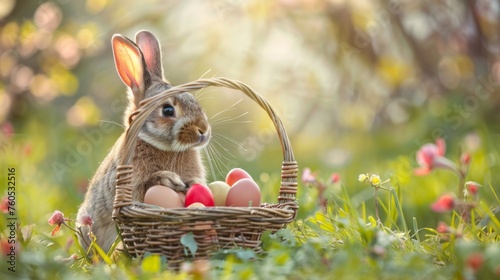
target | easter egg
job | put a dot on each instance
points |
(182, 197)
(196, 205)
(199, 193)
(236, 174)
(164, 197)
(244, 193)
(219, 190)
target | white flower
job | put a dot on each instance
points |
(362, 177)
(375, 180)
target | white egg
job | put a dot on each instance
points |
(219, 190)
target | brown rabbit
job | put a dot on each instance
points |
(168, 148)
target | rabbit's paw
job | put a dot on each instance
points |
(170, 179)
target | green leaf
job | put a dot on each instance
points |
(118, 240)
(80, 249)
(246, 255)
(102, 254)
(188, 241)
(26, 234)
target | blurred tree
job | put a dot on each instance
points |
(333, 67)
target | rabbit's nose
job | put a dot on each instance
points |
(203, 135)
(203, 138)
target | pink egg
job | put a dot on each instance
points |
(236, 174)
(164, 197)
(244, 193)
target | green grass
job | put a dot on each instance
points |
(345, 240)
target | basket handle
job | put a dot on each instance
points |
(289, 169)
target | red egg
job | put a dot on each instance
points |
(235, 175)
(199, 193)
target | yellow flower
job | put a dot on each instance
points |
(375, 180)
(362, 177)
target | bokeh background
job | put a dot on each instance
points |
(360, 86)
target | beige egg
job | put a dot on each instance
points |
(196, 205)
(219, 190)
(182, 197)
(244, 193)
(164, 197)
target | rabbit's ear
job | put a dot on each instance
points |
(150, 48)
(129, 63)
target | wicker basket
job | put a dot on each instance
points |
(148, 228)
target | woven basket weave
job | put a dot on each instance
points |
(148, 228)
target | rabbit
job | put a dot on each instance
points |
(168, 146)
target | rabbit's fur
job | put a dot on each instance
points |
(167, 151)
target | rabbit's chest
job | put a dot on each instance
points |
(148, 160)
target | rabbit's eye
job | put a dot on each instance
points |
(168, 111)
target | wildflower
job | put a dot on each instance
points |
(472, 187)
(442, 227)
(465, 159)
(7, 129)
(335, 178)
(444, 203)
(4, 205)
(431, 156)
(71, 258)
(362, 177)
(308, 176)
(474, 261)
(86, 220)
(56, 219)
(4, 246)
(375, 180)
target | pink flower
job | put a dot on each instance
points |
(86, 220)
(445, 203)
(474, 261)
(4, 205)
(335, 178)
(4, 246)
(431, 156)
(7, 129)
(71, 258)
(56, 219)
(465, 159)
(308, 176)
(442, 227)
(472, 187)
